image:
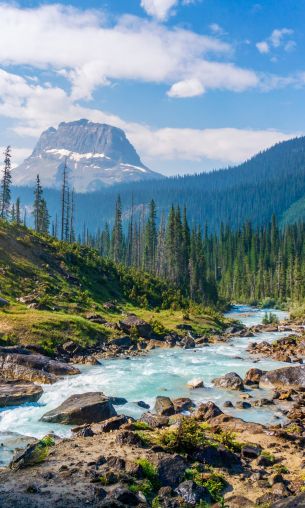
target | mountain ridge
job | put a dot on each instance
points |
(96, 155)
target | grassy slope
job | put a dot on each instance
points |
(68, 281)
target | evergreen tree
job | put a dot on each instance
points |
(5, 197)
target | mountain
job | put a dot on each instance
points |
(272, 182)
(97, 155)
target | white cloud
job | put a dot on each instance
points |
(35, 108)
(277, 40)
(263, 47)
(186, 88)
(82, 48)
(159, 9)
(277, 36)
(216, 29)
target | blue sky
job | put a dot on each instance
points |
(196, 84)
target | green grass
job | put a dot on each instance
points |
(66, 281)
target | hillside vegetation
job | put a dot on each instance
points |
(269, 183)
(52, 286)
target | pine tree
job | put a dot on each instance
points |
(64, 190)
(37, 212)
(5, 200)
(117, 233)
(18, 212)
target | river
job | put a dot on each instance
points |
(161, 372)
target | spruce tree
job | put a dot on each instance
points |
(5, 197)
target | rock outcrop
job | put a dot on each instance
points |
(82, 408)
(230, 381)
(286, 377)
(14, 394)
(21, 364)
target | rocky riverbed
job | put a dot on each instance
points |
(174, 408)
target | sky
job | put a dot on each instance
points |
(195, 84)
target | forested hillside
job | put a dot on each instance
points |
(269, 183)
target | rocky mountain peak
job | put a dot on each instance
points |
(96, 155)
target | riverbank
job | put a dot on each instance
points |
(166, 372)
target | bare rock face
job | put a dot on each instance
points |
(286, 377)
(91, 407)
(14, 394)
(32, 367)
(230, 381)
(96, 155)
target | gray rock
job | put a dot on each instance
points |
(164, 406)
(192, 493)
(3, 302)
(14, 393)
(230, 381)
(32, 367)
(286, 377)
(82, 408)
(171, 469)
(99, 151)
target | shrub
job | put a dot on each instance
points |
(270, 318)
(188, 436)
(227, 438)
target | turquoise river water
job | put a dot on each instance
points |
(161, 372)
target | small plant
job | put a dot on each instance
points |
(144, 486)
(227, 438)
(157, 327)
(280, 468)
(270, 319)
(149, 471)
(138, 425)
(268, 456)
(215, 483)
(188, 436)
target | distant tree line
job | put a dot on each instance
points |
(248, 264)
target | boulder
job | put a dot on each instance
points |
(253, 376)
(188, 342)
(33, 454)
(291, 502)
(242, 404)
(3, 302)
(193, 384)
(82, 408)
(251, 451)
(164, 406)
(286, 377)
(207, 411)
(14, 394)
(171, 469)
(122, 342)
(133, 322)
(193, 493)
(230, 381)
(154, 421)
(114, 423)
(183, 404)
(32, 367)
(217, 456)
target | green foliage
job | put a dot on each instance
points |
(269, 456)
(138, 425)
(157, 327)
(144, 486)
(228, 439)
(149, 472)
(270, 318)
(187, 437)
(214, 483)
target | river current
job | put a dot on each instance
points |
(161, 372)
